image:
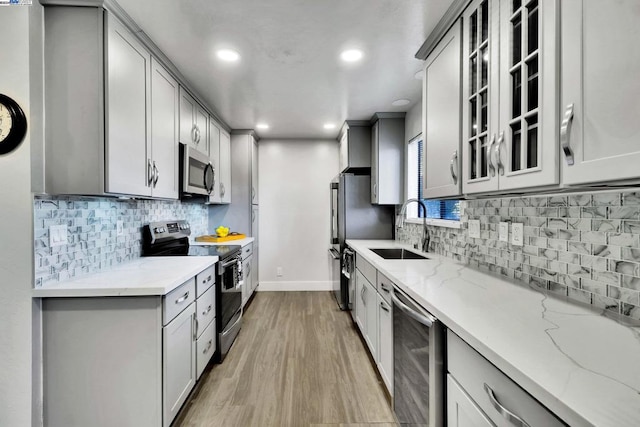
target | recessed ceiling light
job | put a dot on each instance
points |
(228, 55)
(351, 55)
(329, 126)
(400, 102)
(262, 126)
(419, 75)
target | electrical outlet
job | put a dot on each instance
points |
(119, 227)
(57, 235)
(503, 232)
(474, 228)
(279, 271)
(517, 234)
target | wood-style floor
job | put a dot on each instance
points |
(298, 361)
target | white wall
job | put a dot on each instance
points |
(294, 218)
(16, 226)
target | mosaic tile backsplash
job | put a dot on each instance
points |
(93, 244)
(585, 247)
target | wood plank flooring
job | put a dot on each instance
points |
(298, 361)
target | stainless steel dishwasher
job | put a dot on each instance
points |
(418, 371)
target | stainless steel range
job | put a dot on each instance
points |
(171, 238)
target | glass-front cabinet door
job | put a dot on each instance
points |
(510, 95)
(526, 151)
(480, 74)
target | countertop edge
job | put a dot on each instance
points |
(80, 288)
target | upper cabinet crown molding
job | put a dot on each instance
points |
(116, 10)
(446, 22)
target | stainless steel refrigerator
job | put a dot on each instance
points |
(354, 217)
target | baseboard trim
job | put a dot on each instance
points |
(295, 286)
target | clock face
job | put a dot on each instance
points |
(5, 122)
(13, 124)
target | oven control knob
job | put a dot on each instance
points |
(156, 230)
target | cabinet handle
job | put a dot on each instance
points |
(384, 287)
(565, 134)
(156, 174)
(149, 173)
(498, 148)
(207, 311)
(454, 159)
(209, 278)
(194, 131)
(253, 216)
(382, 306)
(362, 292)
(253, 193)
(248, 268)
(209, 344)
(222, 190)
(375, 191)
(507, 414)
(183, 298)
(195, 326)
(492, 168)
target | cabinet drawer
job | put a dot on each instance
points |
(367, 270)
(479, 378)
(205, 347)
(206, 309)
(178, 299)
(205, 279)
(247, 251)
(385, 286)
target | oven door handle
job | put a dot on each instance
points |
(230, 328)
(229, 263)
(427, 321)
(334, 253)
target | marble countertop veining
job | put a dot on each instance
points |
(143, 276)
(580, 363)
(242, 242)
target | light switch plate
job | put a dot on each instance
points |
(57, 235)
(119, 227)
(474, 228)
(503, 232)
(517, 234)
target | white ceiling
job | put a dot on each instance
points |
(290, 75)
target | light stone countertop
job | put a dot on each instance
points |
(582, 365)
(143, 276)
(242, 242)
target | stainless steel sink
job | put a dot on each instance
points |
(397, 253)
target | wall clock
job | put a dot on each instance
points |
(13, 124)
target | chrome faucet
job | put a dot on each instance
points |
(425, 233)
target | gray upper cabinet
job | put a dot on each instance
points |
(128, 155)
(254, 171)
(600, 107)
(113, 130)
(164, 133)
(355, 145)
(387, 159)
(194, 123)
(214, 157)
(510, 90)
(441, 117)
(224, 175)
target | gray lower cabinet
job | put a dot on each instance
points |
(125, 361)
(461, 410)
(179, 362)
(482, 392)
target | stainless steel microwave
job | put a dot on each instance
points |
(197, 175)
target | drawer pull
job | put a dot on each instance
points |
(382, 306)
(209, 344)
(507, 414)
(207, 311)
(384, 288)
(565, 134)
(208, 279)
(183, 298)
(196, 327)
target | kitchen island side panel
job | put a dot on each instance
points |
(102, 361)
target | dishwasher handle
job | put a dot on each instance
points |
(425, 319)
